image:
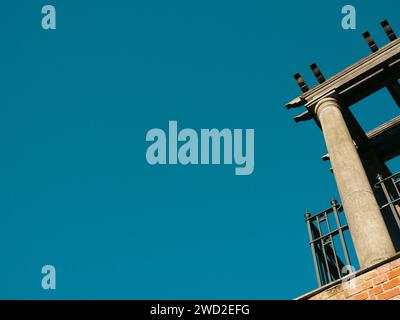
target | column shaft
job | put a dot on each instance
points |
(368, 230)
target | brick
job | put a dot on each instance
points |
(376, 290)
(394, 273)
(346, 285)
(326, 294)
(358, 281)
(358, 288)
(379, 279)
(389, 294)
(395, 264)
(382, 283)
(360, 296)
(338, 296)
(370, 275)
(391, 284)
(385, 268)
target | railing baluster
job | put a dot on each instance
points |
(341, 235)
(323, 249)
(308, 221)
(333, 244)
(391, 201)
(327, 261)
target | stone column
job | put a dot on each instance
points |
(367, 228)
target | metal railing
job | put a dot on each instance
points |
(390, 187)
(325, 233)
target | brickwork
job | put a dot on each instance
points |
(381, 283)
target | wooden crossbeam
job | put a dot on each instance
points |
(357, 81)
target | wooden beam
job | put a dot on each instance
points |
(357, 81)
(385, 140)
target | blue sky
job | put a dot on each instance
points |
(76, 104)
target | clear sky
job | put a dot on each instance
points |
(76, 103)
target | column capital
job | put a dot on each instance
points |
(326, 102)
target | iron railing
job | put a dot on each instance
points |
(390, 187)
(327, 234)
(324, 233)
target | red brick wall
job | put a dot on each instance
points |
(381, 283)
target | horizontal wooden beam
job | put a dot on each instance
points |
(385, 140)
(357, 81)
